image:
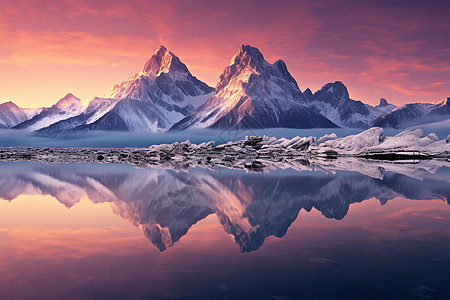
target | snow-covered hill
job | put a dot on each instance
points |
(252, 93)
(11, 114)
(96, 109)
(66, 107)
(414, 114)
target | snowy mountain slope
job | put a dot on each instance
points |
(31, 112)
(384, 106)
(96, 109)
(110, 115)
(415, 114)
(252, 93)
(152, 100)
(129, 115)
(166, 83)
(333, 101)
(11, 114)
(66, 107)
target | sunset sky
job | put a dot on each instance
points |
(399, 50)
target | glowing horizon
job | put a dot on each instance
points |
(395, 51)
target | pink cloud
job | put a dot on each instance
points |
(396, 50)
(66, 48)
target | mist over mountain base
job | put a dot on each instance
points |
(120, 139)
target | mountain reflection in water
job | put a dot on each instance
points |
(250, 207)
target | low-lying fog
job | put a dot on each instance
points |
(15, 138)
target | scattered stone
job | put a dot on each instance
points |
(254, 153)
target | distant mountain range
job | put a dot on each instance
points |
(250, 94)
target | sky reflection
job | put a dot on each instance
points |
(315, 234)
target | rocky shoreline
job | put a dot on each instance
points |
(254, 153)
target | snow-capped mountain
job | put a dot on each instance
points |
(333, 101)
(385, 106)
(166, 82)
(11, 114)
(130, 115)
(414, 114)
(66, 107)
(152, 100)
(252, 93)
(167, 92)
(96, 109)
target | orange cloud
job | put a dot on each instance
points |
(66, 48)
(374, 48)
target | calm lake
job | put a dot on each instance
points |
(93, 231)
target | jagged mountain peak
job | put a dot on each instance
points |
(163, 75)
(163, 61)
(334, 93)
(253, 93)
(334, 102)
(444, 102)
(384, 106)
(68, 100)
(11, 115)
(9, 104)
(308, 94)
(382, 103)
(248, 63)
(247, 54)
(337, 88)
(67, 107)
(249, 71)
(158, 96)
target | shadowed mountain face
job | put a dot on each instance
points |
(333, 101)
(250, 207)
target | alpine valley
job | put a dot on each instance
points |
(251, 94)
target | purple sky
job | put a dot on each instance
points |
(399, 50)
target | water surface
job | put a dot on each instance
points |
(79, 231)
